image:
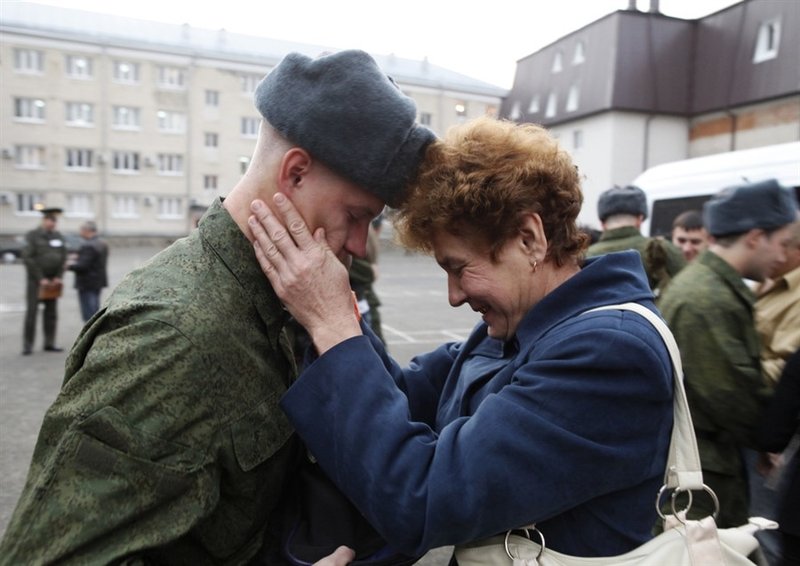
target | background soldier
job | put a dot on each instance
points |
(710, 311)
(44, 255)
(622, 211)
(90, 270)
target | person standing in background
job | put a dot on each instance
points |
(44, 255)
(90, 270)
(710, 310)
(689, 234)
(622, 211)
(778, 311)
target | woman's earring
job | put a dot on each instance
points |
(534, 265)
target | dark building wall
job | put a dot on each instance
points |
(725, 74)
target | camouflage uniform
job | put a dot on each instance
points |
(44, 256)
(710, 311)
(166, 443)
(662, 260)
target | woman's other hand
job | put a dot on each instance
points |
(340, 557)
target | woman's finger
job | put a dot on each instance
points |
(293, 221)
(261, 235)
(275, 229)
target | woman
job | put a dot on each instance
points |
(545, 414)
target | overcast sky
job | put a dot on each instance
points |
(482, 39)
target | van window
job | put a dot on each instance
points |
(664, 211)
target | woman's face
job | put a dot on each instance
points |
(502, 291)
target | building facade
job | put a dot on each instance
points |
(636, 89)
(140, 125)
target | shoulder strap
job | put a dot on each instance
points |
(683, 465)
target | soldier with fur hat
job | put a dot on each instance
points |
(167, 444)
(622, 211)
(710, 310)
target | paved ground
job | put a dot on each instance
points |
(415, 314)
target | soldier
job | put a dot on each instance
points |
(166, 444)
(689, 234)
(45, 254)
(622, 211)
(710, 311)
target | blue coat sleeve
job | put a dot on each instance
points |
(529, 452)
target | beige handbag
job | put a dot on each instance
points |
(683, 543)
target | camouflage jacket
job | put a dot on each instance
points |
(44, 254)
(710, 311)
(662, 260)
(166, 444)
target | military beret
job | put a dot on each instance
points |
(734, 210)
(350, 115)
(622, 200)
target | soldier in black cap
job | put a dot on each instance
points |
(622, 211)
(710, 310)
(44, 254)
(166, 444)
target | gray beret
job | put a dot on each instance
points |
(622, 200)
(765, 205)
(350, 115)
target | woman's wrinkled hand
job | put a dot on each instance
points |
(340, 557)
(304, 272)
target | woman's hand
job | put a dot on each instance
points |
(341, 557)
(305, 273)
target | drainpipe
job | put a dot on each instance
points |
(654, 7)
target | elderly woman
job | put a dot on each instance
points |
(546, 414)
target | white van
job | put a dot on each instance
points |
(675, 187)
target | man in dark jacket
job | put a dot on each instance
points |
(44, 256)
(90, 270)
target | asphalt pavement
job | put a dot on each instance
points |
(415, 313)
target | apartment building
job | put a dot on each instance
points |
(637, 88)
(139, 125)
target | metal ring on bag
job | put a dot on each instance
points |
(708, 490)
(658, 501)
(527, 534)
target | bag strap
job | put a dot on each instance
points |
(683, 471)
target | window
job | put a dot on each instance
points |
(552, 104)
(533, 107)
(125, 207)
(126, 162)
(170, 164)
(577, 139)
(79, 114)
(29, 203)
(425, 118)
(249, 83)
(250, 127)
(171, 122)
(516, 112)
(170, 207)
(557, 65)
(210, 182)
(573, 98)
(212, 98)
(768, 41)
(29, 109)
(461, 109)
(244, 163)
(29, 61)
(29, 156)
(126, 72)
(171, 77)
(78, 67)
(211, 139)
(580, 54)
(125, 118)
(79, 205)
(79, 158)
